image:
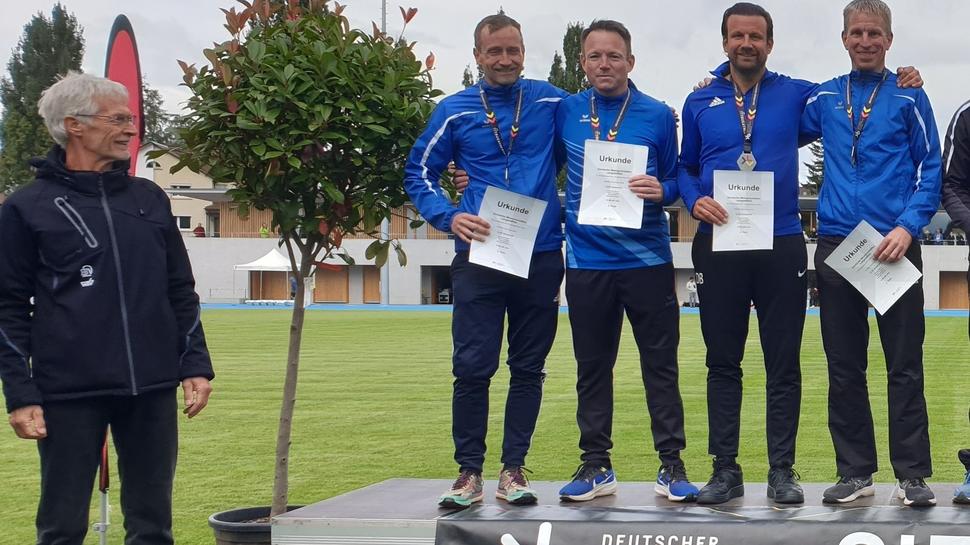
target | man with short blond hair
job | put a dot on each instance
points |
(882, 166)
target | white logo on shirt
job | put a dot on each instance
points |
(87, 273)
(716, 102)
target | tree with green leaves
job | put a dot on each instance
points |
(566, 72)
(816, 167)
(48, 49)
(161, 127)
(312, 120)
(467, 79)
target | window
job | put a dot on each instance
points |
(181, 186)
(184, 222)
(153, 164)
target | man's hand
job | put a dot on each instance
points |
(894, 246)
(647, 187)
(28, 422)
(703, 83)
(458, 177)
(469, 227)
(908, 76)
(196, 392)
(709, 210)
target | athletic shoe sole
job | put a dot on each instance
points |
(864, 491)
(664, 490)
(450, 502)
(927, 502)
(961, 498)
(606, 489)
(795, 497)
(711, 499)
(524, 499)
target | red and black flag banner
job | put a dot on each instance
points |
(121, 65)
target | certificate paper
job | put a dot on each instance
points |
(749, 198)
(881, 283)
(607, 199)
(515, 223)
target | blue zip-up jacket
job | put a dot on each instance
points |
(712, 140)
(897, 179)
(458, 131)
(648, 122)
(114, 308)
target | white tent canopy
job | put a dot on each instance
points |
(272, 261)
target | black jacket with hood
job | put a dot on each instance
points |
(96, 291)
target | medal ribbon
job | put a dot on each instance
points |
(866, 111)
(493, 121)
(747, 117)
(594, 118)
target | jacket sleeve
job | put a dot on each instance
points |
(428, 158)
(194, 360)
(956, 170)
(810, 128)
(688, 168)
(667, 160)
(18, 270)
(924, 148)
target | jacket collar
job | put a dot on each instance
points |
(53, 168)
(614, 102)
(724, 70)
(501, 90)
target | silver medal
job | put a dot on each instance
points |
(747, 162)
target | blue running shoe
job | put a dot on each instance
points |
(590, 481)
(672, 483)
(962, 493)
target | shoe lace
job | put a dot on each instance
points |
(912, 483)
(463, 478)
(677, 472)
(517, 477)
(855, 481)
(585, 472)
(790, 472)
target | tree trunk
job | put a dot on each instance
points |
(281, 476)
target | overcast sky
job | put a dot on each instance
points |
(675, 43)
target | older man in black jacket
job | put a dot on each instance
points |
(99, 320)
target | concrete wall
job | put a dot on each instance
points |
(216, 281)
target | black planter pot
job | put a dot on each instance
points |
(234, 527)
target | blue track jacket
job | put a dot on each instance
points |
(458, 131)
(712, 140)
(898, 176)
(648, 122)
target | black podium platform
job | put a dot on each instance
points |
(403, 511)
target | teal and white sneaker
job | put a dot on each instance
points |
(590, 481)
(672, 483)
(513, 487)
(466, 491)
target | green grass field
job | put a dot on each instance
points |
(374, 403)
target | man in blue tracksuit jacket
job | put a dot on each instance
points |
(611, 269)
(728, 282)
(501, 132)
(882, 165)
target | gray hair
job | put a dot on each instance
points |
(74, 94)
(872, 7)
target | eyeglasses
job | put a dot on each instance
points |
(119, 120)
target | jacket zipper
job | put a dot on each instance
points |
(121, 284)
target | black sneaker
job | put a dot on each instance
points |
(725, 483)
(914, 492)
(783, 485)
(849, 489)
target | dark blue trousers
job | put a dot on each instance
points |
(483, 298)
(144, 431)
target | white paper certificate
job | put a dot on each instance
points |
(515, 223)
(881, 283)
(607, 199)
(749, 198)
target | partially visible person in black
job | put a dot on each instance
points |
(99, 319)
(956, 201)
